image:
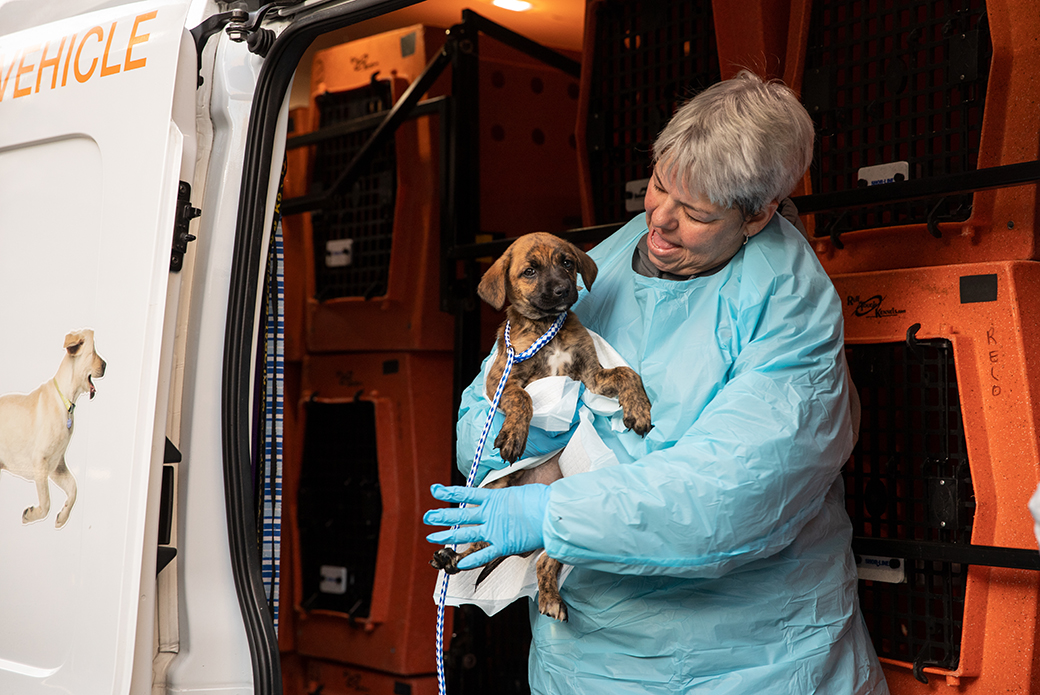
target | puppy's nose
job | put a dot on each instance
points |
(560, 290)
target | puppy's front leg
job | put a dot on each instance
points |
(624, 384)
(512, 438)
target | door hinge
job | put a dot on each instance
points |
(184, 215)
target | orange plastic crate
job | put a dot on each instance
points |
(403, 312)
(1002, 223)
(337, 679)
(528, 174)
(413, 425)
(988, 313)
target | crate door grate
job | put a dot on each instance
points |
(890, 81)
(339, 507)
(909, 479)
(650, 56)
(362, 216)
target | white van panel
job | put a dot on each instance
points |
(214, 653)
(42, 640)
(90, 166)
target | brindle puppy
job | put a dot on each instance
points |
(538, 276)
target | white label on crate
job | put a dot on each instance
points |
(339, 253)
(881, 569)
(333, 580)
(634, 192)
(885, 173)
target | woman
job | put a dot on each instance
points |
(716, 557)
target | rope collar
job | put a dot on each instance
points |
(69, 405)
(511, 358)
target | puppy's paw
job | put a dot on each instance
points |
(636, 407)
(32, 514)
(552, 607)
(511, 442)
(446, 559)
(641, 427)
(637, 419)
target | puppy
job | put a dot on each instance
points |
(35, 428)
(537, 275)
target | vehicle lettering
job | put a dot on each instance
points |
(53, 63)
(23, 69)
(81, 77)
(37, 60)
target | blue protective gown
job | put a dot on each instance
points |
(716, 557)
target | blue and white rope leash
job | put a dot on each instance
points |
(511, 358)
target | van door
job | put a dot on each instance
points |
(96, 132)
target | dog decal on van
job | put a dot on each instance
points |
(35, 428)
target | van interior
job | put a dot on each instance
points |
(421, 142)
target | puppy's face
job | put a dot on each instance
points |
(538, 275)
(84, 361)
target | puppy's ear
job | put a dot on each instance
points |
(73, 342)
(492, 287)
(586, 266)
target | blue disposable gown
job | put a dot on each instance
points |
(716, 557)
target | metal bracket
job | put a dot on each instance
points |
(834, 233)
(385, 130)
(912, 342)
(240, 26)
(246, 27)
(184, 214)
(920, 663)
(932, 221)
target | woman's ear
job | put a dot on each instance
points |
(756, 223)
(492, 287)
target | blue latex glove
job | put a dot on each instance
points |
(510, 519)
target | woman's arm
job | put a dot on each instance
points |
(744, 479)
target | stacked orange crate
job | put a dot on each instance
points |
(378, 431)
(941, 339)
(378, 363)
(948, 455)
(942, 87)
(374, 420)
(642, 58)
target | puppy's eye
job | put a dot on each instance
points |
(568, 263)
(530, 273)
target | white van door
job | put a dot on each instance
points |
(96, 132)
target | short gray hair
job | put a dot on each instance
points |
(741, 143)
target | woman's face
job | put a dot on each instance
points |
(688, 235)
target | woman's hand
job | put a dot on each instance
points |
(509, 519)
